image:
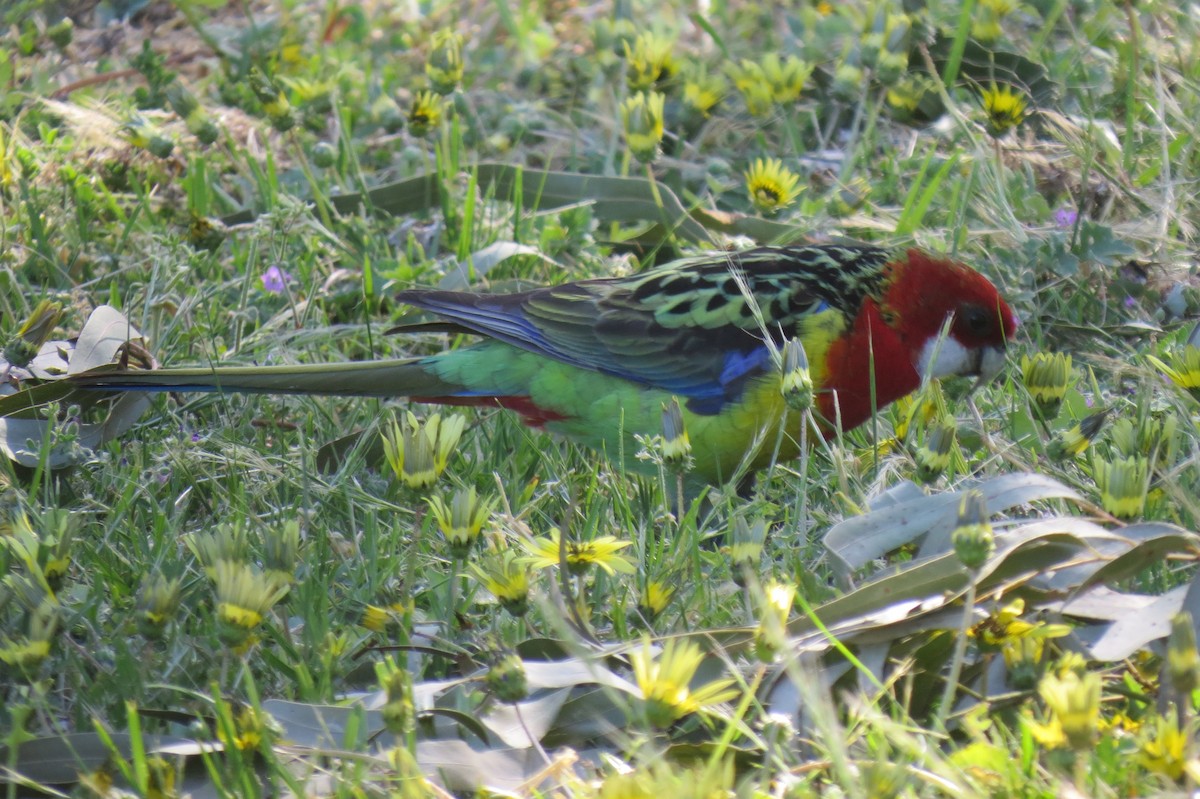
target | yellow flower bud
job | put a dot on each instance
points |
(642, 115)
(1122, 485)
(1184, 367)
(157, 603)
(650, 61)
(676, 447)
(1075, 703)
(1072, 442)
(973, 539)
(462, 519)
(796, 383)
(506, 678)
(399, 712)
(1047, 377)
(444, 66)
(1183, 661)
(506, 576)
(937, 451)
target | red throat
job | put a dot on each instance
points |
(847, 394)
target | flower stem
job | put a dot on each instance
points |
(960, 654)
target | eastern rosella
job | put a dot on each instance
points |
(596, 360)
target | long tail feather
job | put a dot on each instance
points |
(395, 378)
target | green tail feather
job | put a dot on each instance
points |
(394, 378)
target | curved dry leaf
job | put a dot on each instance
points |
(857, 541)
(525, 723)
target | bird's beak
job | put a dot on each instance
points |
(991, 361)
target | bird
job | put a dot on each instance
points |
(597, 360)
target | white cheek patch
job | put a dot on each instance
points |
(991, 363)
(942, 357)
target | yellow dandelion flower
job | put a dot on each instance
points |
(905, 96)
(274, 101)
(1121, 723)
(665, 682)
(425, 113)
(1006, 625)
(1048, 734)
(650, 61)
(1004, 107)
(506, 576)
(758, 99)
(7, 159)
(1023, 658)
(1164, 747)
(160, 778)
(655, 596)
(580, 555)
(771, 186)
(1184, 367)
(23, 655)
(247, 728)
(702, 91)
(380, 619)
(922, 408)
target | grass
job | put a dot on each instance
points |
(211, 602)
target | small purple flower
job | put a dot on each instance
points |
(1130, 301)
(1065, 217)
(275, 279)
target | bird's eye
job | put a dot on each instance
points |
(978, 320)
